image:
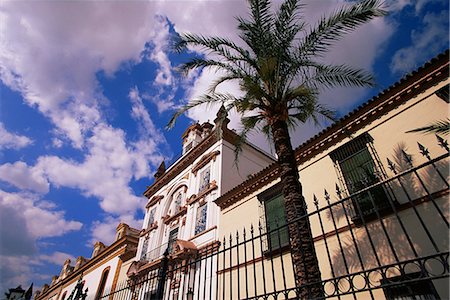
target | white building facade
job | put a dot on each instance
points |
(181, 216)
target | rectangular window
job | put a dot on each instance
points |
(443, 93)
(359, 171)
(420, 290)
(200, 222)
(173, 235)
(151, 217)
(144, 248)
(204, 179)
(275, 218)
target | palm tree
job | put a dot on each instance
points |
(280, 73)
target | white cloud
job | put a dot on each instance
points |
(13, 270)
(160, 40)
(40, 220)
(56, 258)
(109, 166)
(24, 219)
(11, 140)
(426, 42)
(57, 143)
(24, 177)
(51, 55)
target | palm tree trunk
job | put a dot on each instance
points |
(307, 272)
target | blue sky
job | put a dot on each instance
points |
(86, 89)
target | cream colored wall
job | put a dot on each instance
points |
(319, 173)
(123, 271)
(250, 161)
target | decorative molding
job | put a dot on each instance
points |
(194, 198)
(152, 226)
(204, 161)
(202, 233)
(115, 279)
(433, 72)
(190, 128)
(168, 219)
(153, 201)
(174, 170)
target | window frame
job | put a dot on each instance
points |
(443, 93)
(200, 208)
(281, 245)
(102, 283)
(177, 200)
(145, 244)
(151, 216)
(202, 187)
(360, 205)
(172, 238)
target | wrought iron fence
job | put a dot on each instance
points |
(398, 249)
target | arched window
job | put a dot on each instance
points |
(101, 286)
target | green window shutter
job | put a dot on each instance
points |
(276, 221)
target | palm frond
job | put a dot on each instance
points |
(331, 29)
(223, 47)
(287, 23)
(341, 75)
(204, 99)
(196, 63)
(249, 124)
(439, 127)
(257, 31)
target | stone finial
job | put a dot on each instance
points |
(222, 117)
(98, 247)
(161, 170)
(80, 261)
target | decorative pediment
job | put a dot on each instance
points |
(154, 200)
(152, 226)
(194, 198)
(181, 211)
(183, 249)
(134, 268)
(205, 160)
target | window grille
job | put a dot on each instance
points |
(358, 170)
